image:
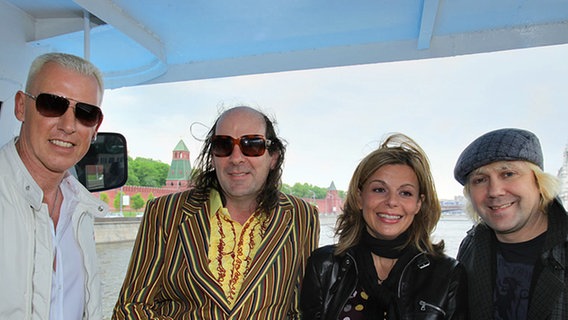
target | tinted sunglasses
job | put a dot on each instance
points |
(251, 145)
(50, 105)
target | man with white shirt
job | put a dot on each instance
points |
(47, 248)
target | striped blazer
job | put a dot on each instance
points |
(169, 278)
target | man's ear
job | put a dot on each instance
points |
(274, 159)
(99, 125)
(20, 106)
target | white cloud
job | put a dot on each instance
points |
(331, 118)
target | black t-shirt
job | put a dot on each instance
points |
(515, 266)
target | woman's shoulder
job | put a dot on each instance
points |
(440, 261)
(323, 252)
(327, 254)
(446, 267)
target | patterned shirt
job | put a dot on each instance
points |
(232, 246)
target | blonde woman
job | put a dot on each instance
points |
(385, 265)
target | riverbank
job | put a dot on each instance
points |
(119, 229)
(108, 230)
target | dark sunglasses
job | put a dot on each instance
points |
(50, 105)
(251, 145)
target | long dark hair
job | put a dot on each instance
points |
(204, 176)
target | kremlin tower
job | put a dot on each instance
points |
(180, 168)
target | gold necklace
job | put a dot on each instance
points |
(382, 267)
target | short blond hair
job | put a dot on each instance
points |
(67, 61)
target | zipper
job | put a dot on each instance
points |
(423, 304)
(399, 289)
(349, 256)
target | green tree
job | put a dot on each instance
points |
(147, 172)
(104, 197)
(116, 202)
(132, 176)
(150, 196)
(304, 190)
(286, 188)
(136, 201)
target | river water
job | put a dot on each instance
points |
(114, 257)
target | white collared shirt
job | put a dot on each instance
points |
(67, 287)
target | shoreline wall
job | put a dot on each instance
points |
(116, 229)
(125, 229)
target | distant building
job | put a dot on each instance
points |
(180, 168)
(331, 204)
(453, 207)
(563, 176)
(177, 179)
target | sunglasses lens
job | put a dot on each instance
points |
(222, 146)
(49, 105)
(87, 114)
(253, 146)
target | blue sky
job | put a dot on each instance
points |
(331, 118)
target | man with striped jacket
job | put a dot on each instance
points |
(232, 247)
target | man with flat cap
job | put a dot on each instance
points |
(516, 255)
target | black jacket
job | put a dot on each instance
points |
(429, 288)
(549, 299)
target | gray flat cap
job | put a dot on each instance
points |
(503, 144)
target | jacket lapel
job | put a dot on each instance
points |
(552, 280)
(278, 230)
(483, 262)
(194, 231)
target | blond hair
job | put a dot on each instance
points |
(396, 149)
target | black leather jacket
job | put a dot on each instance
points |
(430, 287)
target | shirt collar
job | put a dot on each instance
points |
(215, 202)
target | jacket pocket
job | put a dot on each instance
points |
(432, 309)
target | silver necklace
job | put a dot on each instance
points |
(54, 208)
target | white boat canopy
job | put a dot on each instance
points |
(156, 41)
